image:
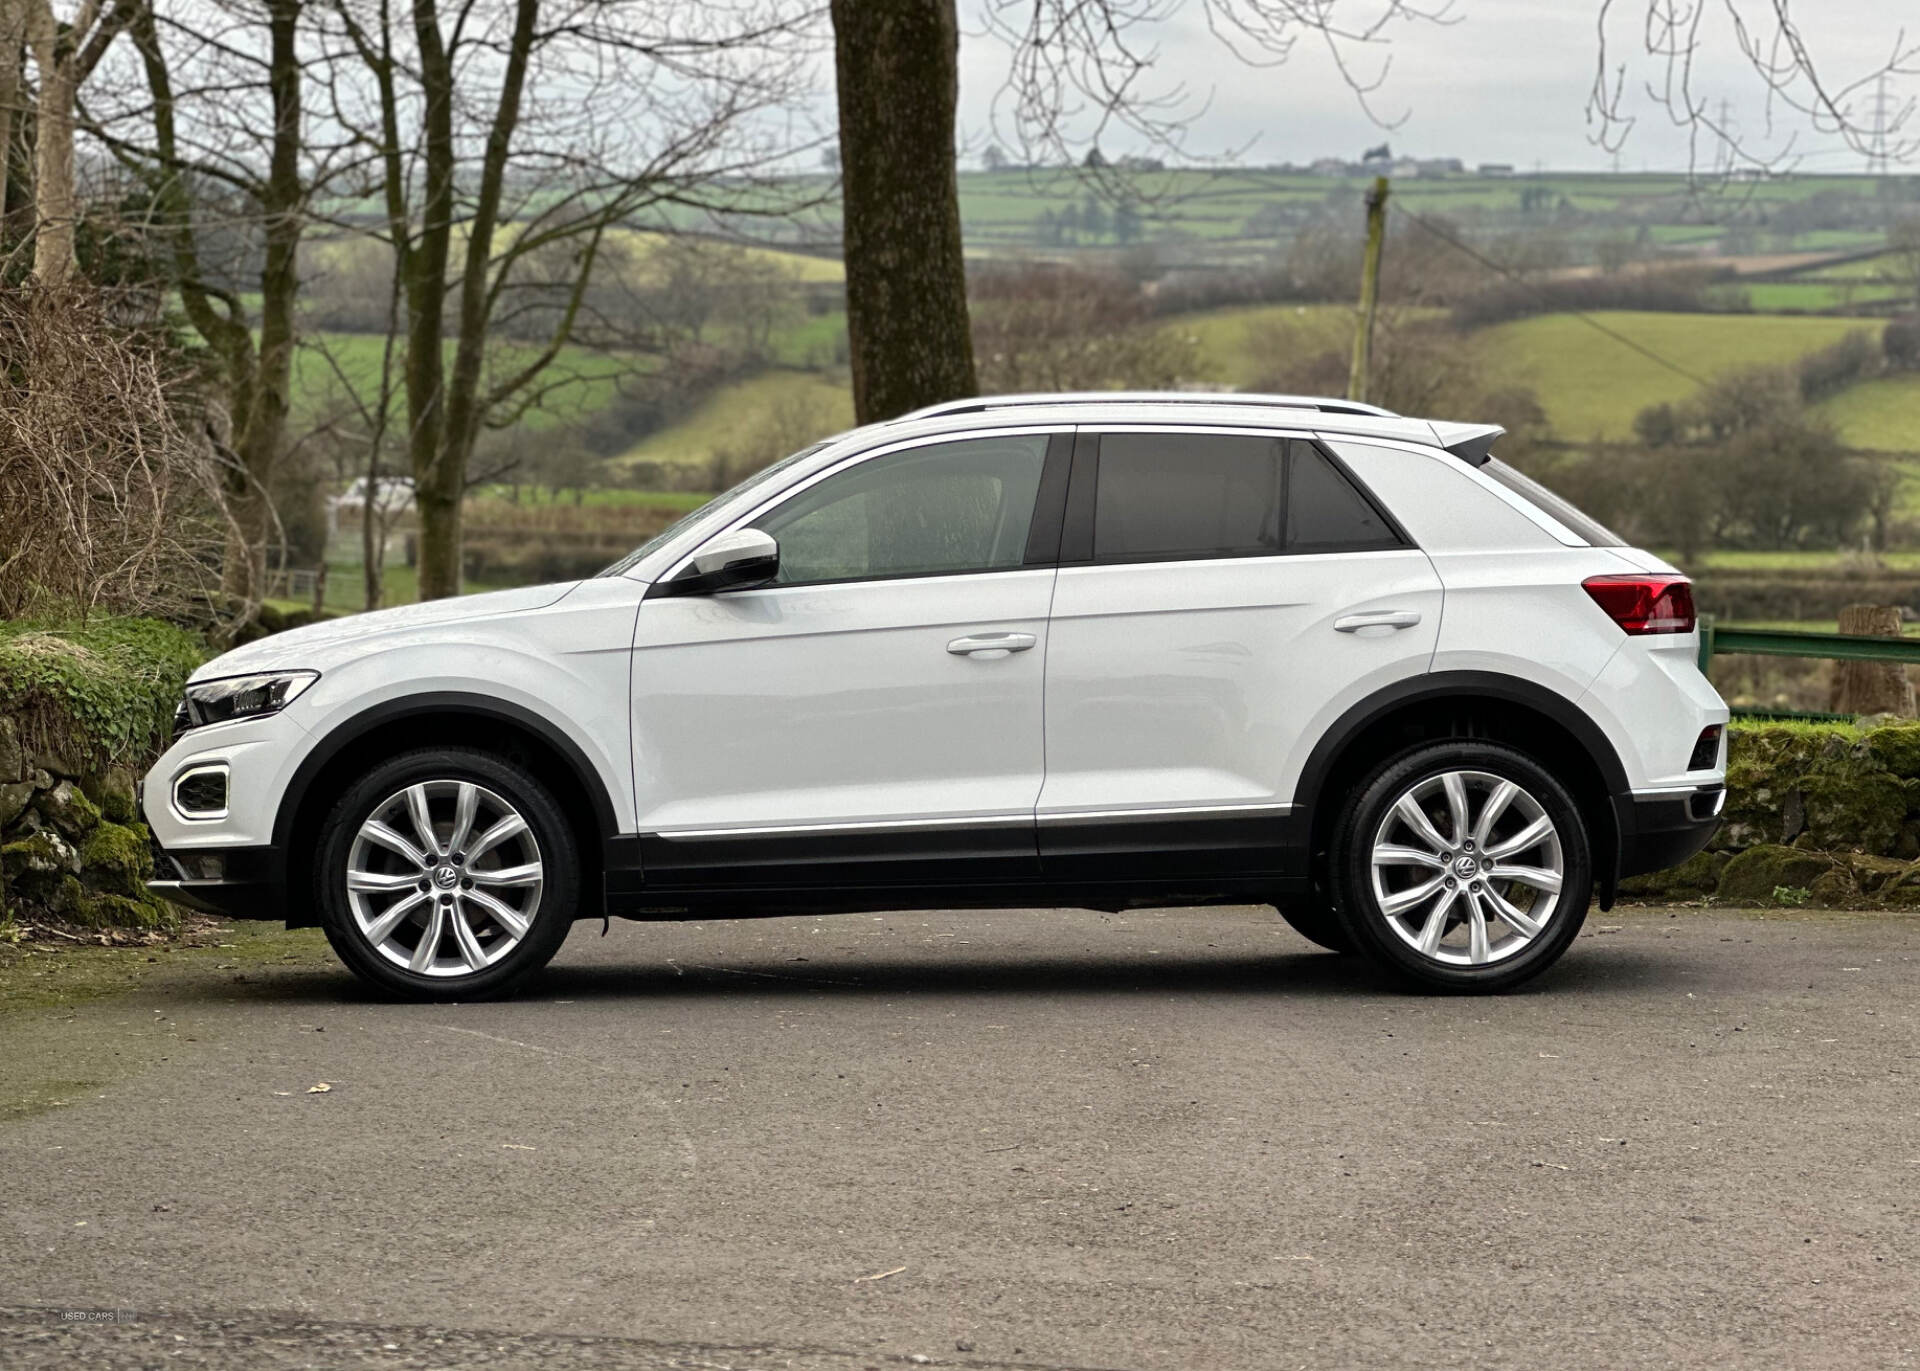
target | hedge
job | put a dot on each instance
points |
(97, 694)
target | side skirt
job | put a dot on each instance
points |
(1108, 861)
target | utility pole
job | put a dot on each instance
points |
(1369, 291)
(1877, 158)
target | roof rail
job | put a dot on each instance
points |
(981, 403)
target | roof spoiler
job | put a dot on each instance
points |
(1471, 443)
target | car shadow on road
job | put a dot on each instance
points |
(1588, 972)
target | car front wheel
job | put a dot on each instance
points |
(1462, 866)
(447, 873)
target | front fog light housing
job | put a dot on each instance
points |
(240, 697)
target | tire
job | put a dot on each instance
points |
(1313, 919)
(1416, 912)
(497, 912)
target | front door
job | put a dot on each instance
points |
(874, 715)
(1222, 598)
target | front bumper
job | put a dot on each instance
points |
(232, 882)
(1659, 831)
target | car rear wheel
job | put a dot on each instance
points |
(1462, 866)
(447, 873)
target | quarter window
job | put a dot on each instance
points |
(1325, 513)
(945, 508)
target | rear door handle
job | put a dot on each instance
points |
(1382, 618)
(991, 645)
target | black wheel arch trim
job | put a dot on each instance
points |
(1480, 685)
(443, 702)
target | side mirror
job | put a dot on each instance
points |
(739, 560)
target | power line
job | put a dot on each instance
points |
(1520, 280)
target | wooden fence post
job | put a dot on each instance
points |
(1871, 687)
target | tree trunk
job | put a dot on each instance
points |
(262, 384)
(55, 203)
(425, 269)
(1871, 687)
(13, 36)
(439, 563)
(897, 67)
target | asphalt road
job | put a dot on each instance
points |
(1040, 1139)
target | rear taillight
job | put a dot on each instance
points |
(1644, 604)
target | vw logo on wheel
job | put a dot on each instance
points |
(446, 877)
(1466, 868)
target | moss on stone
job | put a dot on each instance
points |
(1698, 875)
(68, 809)
(1895, 748)
(108, 910)
(115, 859)
(117, 805)
(1863, 811)
(1752, 876)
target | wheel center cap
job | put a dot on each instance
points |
(1466, 868)
(446, 877)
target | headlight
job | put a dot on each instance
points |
(239, 697)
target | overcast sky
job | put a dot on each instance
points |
(1507, 83)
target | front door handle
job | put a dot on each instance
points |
(991, 645)
(1382, 618)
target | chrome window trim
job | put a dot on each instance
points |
(973, 820)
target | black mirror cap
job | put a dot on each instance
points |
(748, 574)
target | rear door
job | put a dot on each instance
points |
(1223, 596)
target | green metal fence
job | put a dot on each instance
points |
(1776, 642)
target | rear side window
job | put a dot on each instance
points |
(1164, 496)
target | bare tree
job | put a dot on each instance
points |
(501, 129)
(64, 55)
(212, 125)
(111, 500)
(1663, 62)
(13, 38)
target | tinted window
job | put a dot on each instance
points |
(1164, 495)
(1324, 510)
(949, 507)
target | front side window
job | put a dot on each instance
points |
(941, 509)
(1164, 496)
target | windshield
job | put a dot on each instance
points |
(1596, 533)
(718, 505)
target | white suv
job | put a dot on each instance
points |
(1093, 650)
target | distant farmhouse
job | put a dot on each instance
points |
(1380, 161)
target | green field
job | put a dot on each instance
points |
(785, 409)
(1879, 416)
(1592, 385)
(1236, 345)
(329, 368)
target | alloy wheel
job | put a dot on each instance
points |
(444, 878)
(1467, 868)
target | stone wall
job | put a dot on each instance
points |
(72, 848)
(1825, 814)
